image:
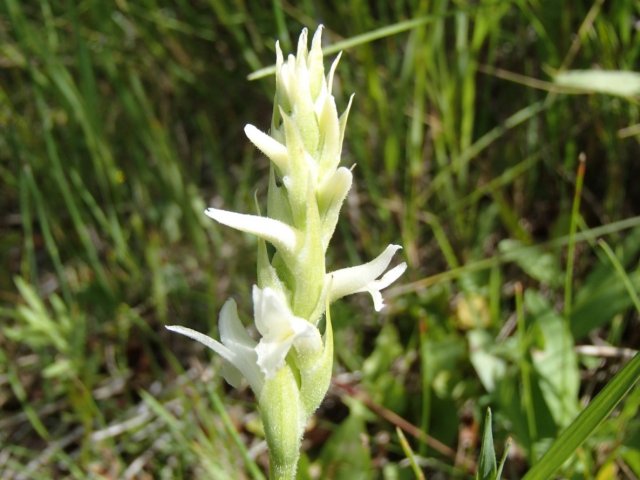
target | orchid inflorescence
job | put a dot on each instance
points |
(289, 367)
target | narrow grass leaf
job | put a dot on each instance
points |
(633, 294)
(587, 422)
(220, 410)
(406, 448)
(487, 468)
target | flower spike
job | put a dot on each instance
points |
(289, 365)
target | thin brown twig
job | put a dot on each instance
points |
(403, 424)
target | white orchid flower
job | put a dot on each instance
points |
(279, 329)
(364, 278)
(237, 348)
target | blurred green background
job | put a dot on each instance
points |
(121, 121)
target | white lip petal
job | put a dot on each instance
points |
(272, 350)
(271, 355)
(278, 233)
(364, 278)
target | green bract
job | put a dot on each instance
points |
(289, 367)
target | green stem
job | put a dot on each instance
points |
(282, 417)
(282, 471)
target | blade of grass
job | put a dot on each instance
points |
(29, 267)
(568, 282)
(621, 273)
(406, 448)
(426, 379)
(487, 467)
(587, 422)
(81, 227)
(47, 234)
(525, 370)
(224, 416)
(23, 398)
(571, 247)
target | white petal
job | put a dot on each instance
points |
(272, 351)
(240, 357)
(247, 363)
(315, 64)
(332, 71)
(278, 233)
(234, 336)
(363, 278)
(268, 309)
(279, 328)
(273, 149)
(329, 125)
(302, 45)
(232, 332)
(331, 196)
(391, 276)
(378, 301)
(387, 279)
(343, 120)
(206, 340)
(231, 375)
(271, 355)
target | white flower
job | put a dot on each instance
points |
(364, 278)
(237, 348)
(279, 329)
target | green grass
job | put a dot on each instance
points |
(121, 121)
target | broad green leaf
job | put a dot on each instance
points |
(537, 263)
(345, 455)
(380, 372)
(554, 359)
(489, 367)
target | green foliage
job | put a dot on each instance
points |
(121, 121)
(488, 467)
